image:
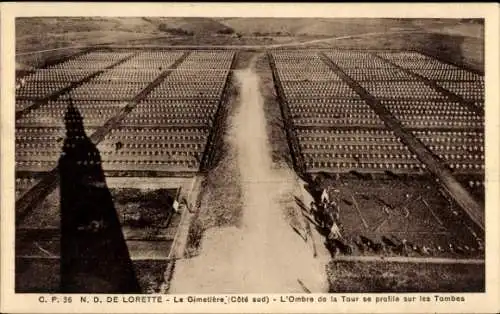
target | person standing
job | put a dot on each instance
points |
(325, 198)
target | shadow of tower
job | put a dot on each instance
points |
(94, 255)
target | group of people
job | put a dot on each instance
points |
(327, 214)
(20, 83)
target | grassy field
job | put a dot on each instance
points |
(46, 33)
(220, 198)
(362, 277)
(459, 41)
(276, 128)
(35, 34)
(54, 32)
(319, 27)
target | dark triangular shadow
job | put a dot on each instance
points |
(94, 255)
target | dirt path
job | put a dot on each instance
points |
(264, 254)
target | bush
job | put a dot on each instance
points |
(174, 31)
(195, 235)
(226, 31)
(261, 34)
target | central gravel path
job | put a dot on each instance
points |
(264, 254)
